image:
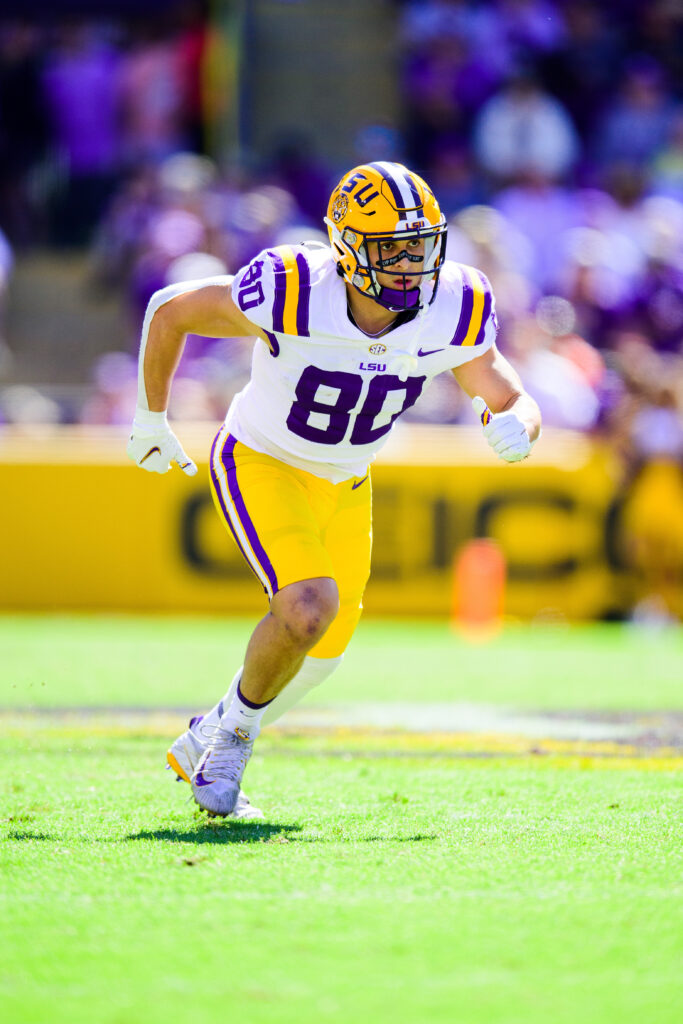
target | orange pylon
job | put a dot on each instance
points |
(478, 597)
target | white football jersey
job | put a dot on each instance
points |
(323, 396)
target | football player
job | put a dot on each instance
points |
(348, 337)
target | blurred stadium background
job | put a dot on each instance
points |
(142, 144)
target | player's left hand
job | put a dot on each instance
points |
(504, 431)
(153, 445)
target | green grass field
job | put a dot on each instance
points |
(397, 876)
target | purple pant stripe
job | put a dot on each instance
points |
(465, 313)
(228, 461)
(304, 296)
(280, 291)
(226, 514)
(485, 313)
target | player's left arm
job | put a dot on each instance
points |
(510, 417)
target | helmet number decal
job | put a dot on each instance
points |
(332, 418)
(250, 288)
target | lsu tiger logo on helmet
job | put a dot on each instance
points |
(380, 202)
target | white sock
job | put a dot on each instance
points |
(243, 716)
(212, 719)
(312, 673)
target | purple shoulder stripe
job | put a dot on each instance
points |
(486, 311)
(304, 299)
(280, 291)
(465, 312)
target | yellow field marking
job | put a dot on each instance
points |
(165, 725)
(577, 753)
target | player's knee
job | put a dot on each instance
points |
(307, 609)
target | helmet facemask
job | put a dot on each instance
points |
(418, 287)
(419, 284)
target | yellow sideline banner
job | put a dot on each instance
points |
(83, 528)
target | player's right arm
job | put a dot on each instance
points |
(205, 308)
(208, 311)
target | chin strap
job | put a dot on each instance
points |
(388, 297)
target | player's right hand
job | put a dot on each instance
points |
(153, 445)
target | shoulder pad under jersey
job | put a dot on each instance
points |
(274, 290)
(469, 291)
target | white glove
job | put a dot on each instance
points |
(504, 431)
(153, 445)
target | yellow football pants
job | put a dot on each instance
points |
(292, 526)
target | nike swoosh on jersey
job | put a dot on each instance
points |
(150, 452)
(431, 351)
(359, 482)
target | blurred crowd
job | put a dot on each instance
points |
(550, 130)
(83, 103)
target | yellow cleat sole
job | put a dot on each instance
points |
(175, 766)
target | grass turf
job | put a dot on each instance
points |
(57, 661)
(379, 889)
(385, 885)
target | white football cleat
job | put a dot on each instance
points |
(186, 751)
(218, 775)
(245, 811)
(184, 755)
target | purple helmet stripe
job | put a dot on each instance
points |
(416, 196)
(487, 309)
(280, 291)
(228, 460)
(465, 312)
(393, 185)
(406, 195)
(304, 296)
